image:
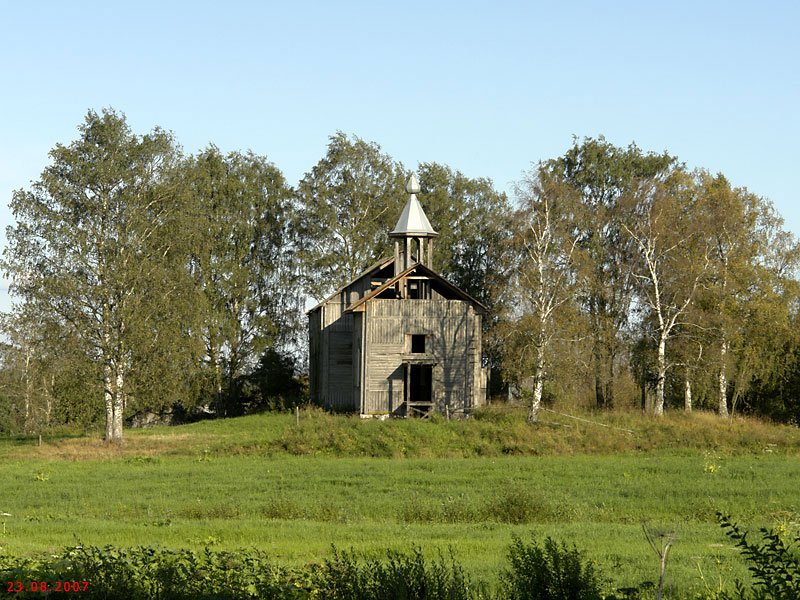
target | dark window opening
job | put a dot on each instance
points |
(418, 344)
(415, 290)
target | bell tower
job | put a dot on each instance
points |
(413, 234)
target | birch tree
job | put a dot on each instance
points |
(91, 245)
(748, 298)
(26, 378)
(601, 174)
(671, 259)
(45, 372)
(543, 277)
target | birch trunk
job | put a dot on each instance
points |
(48, 406)
(218, 389)
(538, 386)
(661, 363)
(28, 390)
(119, 405)
(108, 396)
(723, 380)
(687, 394)
(215, 358)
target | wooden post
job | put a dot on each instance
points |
(430, 253)
(297, 415)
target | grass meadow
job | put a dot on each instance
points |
(465, 487)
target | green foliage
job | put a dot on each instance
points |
(774, 564)
(143, 573)
(602, 175)
(407, 576)
(273, 384)
(348, 203)
(242, 261)
(548, 571)
(95, 255)
(474, 222)
(551, 571)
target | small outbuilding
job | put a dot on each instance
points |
(399, 339)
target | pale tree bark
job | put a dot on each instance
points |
(690, 368)
(538, 380)
(218, 383)
(722, 397)
(108, 398)
(109, 379)
(28, 388)
(119, 404)
(49, 400)
(91, 221)
(724, 244)
(661, 364)
(687, 393)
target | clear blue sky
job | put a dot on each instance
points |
(486, 88)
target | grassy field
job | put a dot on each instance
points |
(294, 490)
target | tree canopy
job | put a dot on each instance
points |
(150, 280)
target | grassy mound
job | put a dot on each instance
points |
(494, 431)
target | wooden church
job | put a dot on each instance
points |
(399, 339)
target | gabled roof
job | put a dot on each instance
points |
(358, 305)
(412, 221)
(376, 266)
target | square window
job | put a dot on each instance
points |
(418, 343)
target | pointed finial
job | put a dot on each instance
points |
(412, 185)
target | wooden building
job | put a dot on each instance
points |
(399, 339)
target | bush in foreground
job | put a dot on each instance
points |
(145, 573)
(549, 571)
(774, 564)
(401, 576)
(535, 571)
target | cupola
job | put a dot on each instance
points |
(413, 235)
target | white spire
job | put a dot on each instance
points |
(412, 221)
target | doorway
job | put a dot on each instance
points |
(420, 389)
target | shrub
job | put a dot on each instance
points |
(550, 571)
(403, 576)
(145, 573)
(150, 572)
(775, 566)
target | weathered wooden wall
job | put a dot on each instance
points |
(454, 331)
(331, 354)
